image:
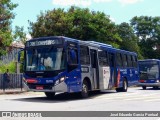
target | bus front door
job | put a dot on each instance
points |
(74, 74)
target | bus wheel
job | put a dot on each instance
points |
(119, 89)
(144, 87)
(50, 95)
(84, 92)
(125, 86)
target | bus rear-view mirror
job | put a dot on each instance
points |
(19, 55)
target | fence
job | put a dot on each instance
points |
(15, 82)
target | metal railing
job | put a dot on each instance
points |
(14, 83)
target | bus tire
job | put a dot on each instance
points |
(50, 95)
(84, 92)
(144, 87)
(125, 86)
(119, 89)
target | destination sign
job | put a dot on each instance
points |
(43, 42)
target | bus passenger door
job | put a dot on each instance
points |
(73, 76)
(104, 70)
(94, 68)
(113, 71)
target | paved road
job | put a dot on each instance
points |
(135, 99)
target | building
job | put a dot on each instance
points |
(12, 52)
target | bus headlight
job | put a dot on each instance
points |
(157, 81)
(62, 79)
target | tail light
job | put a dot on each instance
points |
(142, 81)
(31, 81)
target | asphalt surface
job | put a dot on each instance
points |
(135, 99)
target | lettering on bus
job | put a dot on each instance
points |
(43, 42)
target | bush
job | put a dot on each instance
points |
(11, 67)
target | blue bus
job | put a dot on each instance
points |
(62, 64)
(149, 73)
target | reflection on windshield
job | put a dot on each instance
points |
(45, 59)
(149, 70)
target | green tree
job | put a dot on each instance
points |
(19, 34)
(147, 30)
(79, 23)
(6, 15)
(129, 39)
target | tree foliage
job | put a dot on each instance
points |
(76, 23)
(6, 15)
(129, 39)
(142, 35)
(19, 34)
(147, 30)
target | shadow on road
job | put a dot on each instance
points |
(64, 97)
(150, 88)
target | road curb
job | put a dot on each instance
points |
(11, 92)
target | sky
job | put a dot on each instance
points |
(118, 10)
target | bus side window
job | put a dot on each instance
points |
(84, 55)
(111, 59)
(134, 59)
(103, 58)
(119, 60)
(72, 56)
(129, 60)
(125, 62)
(72, 59)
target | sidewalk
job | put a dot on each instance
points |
(12, 91)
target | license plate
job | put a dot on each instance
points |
(39, 87)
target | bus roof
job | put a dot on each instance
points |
(91, 43)
(94, 44)
(88, 43)
(119, 50)
(149, 60)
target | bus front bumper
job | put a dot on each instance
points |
(149, 84)
(62, 87)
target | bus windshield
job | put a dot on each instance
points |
(45, 59)
(149, 70)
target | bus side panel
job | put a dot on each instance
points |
(133, 73)
(86, 74)
(130, 74)
(135, 77)
(123, 74)
(74, 80)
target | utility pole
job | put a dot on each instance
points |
(16, 60)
